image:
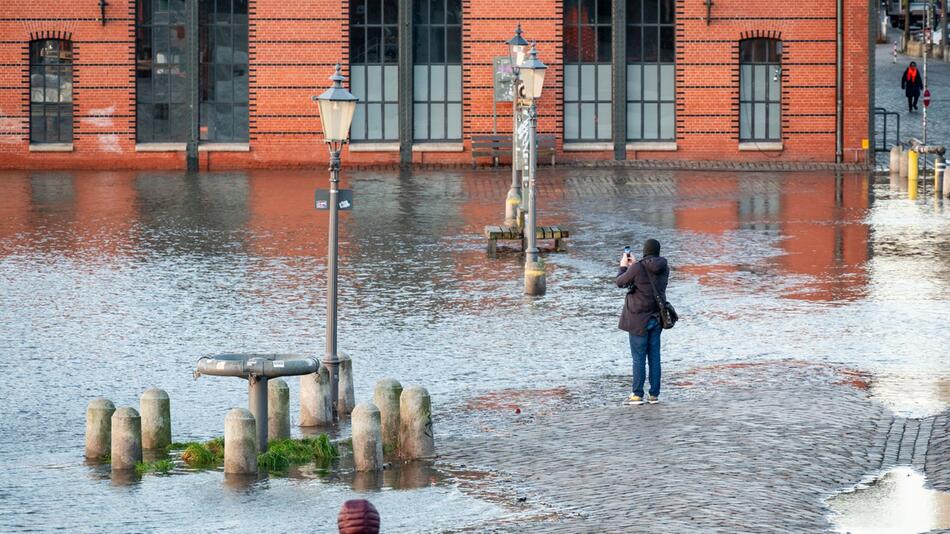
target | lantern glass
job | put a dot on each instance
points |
(518, 53)
(336, 117)
(533, 79)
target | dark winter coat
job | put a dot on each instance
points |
(639, 304)
(912, 88)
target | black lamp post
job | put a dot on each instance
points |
(517, 49)
(337, 106)
(532, 83)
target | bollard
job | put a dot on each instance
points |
(913, 169)
(367, 439)
(278, 409)
(156, 419)
(946, 181)
(895, 164)
(99, 428)
(316, 409)
(415, 424)
(240, 442)
(126, 439)
(346, 400)
(534, 279)
(386, 397)
(902, 169)
(358, 516)
(939, 166)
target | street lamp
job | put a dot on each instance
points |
(337, 106)
(532, 82)
(517, 49)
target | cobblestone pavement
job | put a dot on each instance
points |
(732, 448)
(888, 94)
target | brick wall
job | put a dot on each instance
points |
(294, 45)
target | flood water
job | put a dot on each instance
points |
(113, 282)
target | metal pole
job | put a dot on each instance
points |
(531, 224)
(191, 67)
(257, 403)
(330, 360)
(513, 200)
(839, 83)
(943, 33)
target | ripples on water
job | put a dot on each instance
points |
(115, 282)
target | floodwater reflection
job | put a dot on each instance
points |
(897, 501)
(114, 282)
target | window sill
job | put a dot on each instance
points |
(438, 147)
(225, 147)
(160, 147)
(751, 146)
(587, 147)
(51, 147)
(374, 147)
(656, 146)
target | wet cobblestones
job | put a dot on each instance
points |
(752, 448)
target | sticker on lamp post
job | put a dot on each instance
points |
(344, 199)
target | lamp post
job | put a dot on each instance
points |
(517, 48)
(532, 81)
(337, 106)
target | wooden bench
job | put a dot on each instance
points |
(499, 146)
(514, 233)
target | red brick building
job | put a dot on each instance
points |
(87, 86)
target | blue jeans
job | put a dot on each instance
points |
(643, 348)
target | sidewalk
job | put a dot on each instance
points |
(732, 448)
(888, 93)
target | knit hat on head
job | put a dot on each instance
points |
(651, 247)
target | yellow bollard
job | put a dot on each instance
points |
(939, 166)
(912, 171)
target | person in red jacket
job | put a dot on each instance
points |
(912, 83)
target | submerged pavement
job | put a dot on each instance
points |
(744, 447)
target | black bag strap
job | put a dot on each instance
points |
(656, 294)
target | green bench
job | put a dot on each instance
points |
(514, 233)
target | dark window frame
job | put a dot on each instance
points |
(428, 54)
(650, 20)
(223, 71)
(161, 82)
(374, 43)
(759, 52)
(583, 19)
(54, 122)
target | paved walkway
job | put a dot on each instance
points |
(888, 94)
(732, 448)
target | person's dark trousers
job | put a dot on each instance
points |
(643, 348)
(912, 102)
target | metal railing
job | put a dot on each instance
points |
(881, 143)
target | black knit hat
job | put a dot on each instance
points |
(651, 247)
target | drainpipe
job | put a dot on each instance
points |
(839, 82)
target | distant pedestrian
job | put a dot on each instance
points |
(912, 83)
(640, 317)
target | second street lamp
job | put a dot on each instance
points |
(337, 106)
(532, 82)
(517, 49)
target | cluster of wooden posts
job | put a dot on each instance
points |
(397, 424)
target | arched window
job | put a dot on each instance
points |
(51, 91)
(587, 70)
(760, 90)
